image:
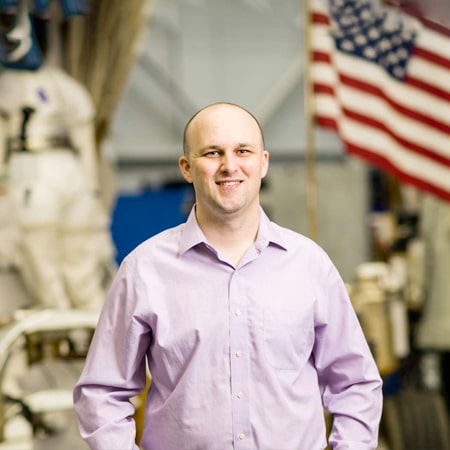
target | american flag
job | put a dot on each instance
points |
(382, 81)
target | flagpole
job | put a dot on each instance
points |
(311, 185)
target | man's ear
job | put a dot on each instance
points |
(264, 163)
(185, 168)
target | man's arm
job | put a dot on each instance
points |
(114, 372)
(349, 378)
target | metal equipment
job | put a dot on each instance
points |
(41, 356)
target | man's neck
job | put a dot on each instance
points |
(231, 236)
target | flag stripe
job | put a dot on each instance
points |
(385, 163)
(418, 166)
(432, 57)
(441, 154)
(320, 18)
(413, 114)
(399, 125)
(432, 90)
(410, 97)
(433, 42)
(401, 118)
(401, 141)
(434, 79)
(323, 89)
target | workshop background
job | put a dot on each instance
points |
(377, 202)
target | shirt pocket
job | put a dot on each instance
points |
(288, 337)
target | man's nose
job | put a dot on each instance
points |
(229, 163)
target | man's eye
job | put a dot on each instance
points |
(212, 153)
(243, 151)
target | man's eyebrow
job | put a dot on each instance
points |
(248, 145)
(219, 147)
(210, 147)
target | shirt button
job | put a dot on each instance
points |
(238, 354)
(238, 312)
(240, 395)
(242, 436)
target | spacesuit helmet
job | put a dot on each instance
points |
(19, 43)
(22, 29)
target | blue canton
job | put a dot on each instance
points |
(361, 30)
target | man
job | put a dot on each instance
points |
(246, 326)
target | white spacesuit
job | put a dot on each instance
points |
(49, 155)
(9, 232)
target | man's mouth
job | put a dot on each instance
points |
(228, 183)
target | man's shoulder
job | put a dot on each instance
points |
(295, 241)
(293, 237)
(162, 241)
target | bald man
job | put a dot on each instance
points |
(246, 326)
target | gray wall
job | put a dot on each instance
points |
(341, 207)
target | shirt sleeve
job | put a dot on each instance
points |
(349, 378)
(115, 369)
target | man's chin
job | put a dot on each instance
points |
(229, 209)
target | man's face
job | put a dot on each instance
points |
(226, 160)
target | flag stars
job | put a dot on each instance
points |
(361, 39)
(370, 53)
(348, 10)
(384, 45)
(338, 33)
(402, 53)
(399, 72)
(348, 21)
(373, 33)
(359, 29)
(392, 59)
(396, 40)
(347, 45)
(366, 14)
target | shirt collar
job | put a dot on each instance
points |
(268, 233)
(192, 234)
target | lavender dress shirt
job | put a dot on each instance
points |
(241, 358)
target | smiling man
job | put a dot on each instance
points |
(246, 326)
(225, 159)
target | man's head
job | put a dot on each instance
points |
(187, 127)
(224, 158)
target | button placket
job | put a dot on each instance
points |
(239, 334)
